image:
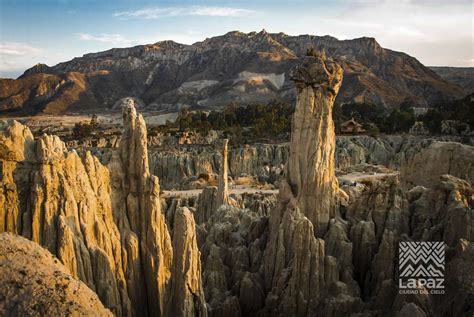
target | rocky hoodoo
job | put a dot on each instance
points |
(311, 167)
(104, 223)
(296, 269)
(137, 207)
(187, 295)
(222, 187)
(34, 283)
(212, 198)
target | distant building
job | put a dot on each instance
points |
(351, 126)
(419, 111)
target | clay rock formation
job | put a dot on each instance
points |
(294, 261)
(62, 202)
(311, 167)
(137, 207)
(222, 188)
(212, 198)
(303, 253)
(297, 271)
(377, 215)
(459, 280)
(443, 212)
(232, 253)
(179, 166)
(187, 295)
(104, 223)
(35, 283)
(425, 167)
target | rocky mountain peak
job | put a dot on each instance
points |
(37, 69)
(209, 74)
(168, 44)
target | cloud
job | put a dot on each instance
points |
(105, 38)
(17, 49)
(161, 12)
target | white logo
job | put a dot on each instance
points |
(421, 267)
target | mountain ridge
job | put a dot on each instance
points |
(233, 67)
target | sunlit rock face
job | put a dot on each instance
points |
(104, 223)
(296, 268)
(62, 201)
(222, 189)
(311, 167)
(35, 283)
(187, 295)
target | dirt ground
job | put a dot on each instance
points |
(109, 119)
(238, 190)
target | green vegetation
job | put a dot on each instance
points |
(85, 129)
(241, 123)
(461, 110)
(401, 120)
(250, 123)
(376, 118)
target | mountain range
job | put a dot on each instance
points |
(235, 67)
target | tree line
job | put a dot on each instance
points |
(272, 120)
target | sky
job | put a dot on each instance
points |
(436, 32)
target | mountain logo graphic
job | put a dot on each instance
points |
(421, 266)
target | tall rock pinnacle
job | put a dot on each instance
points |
(222, 189)
(311, 164)
(187, 295)
(140, 196)
(296, 268)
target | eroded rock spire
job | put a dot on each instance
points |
(187, 295)
(222, 189)
(311, 166)
(296, 268)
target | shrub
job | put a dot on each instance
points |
(82, 129)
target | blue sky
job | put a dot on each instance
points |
(50, 31)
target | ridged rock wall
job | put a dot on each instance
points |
(63, 202)
(408, 154)
(425, 167)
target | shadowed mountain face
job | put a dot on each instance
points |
(242, 67)
(463, 76)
